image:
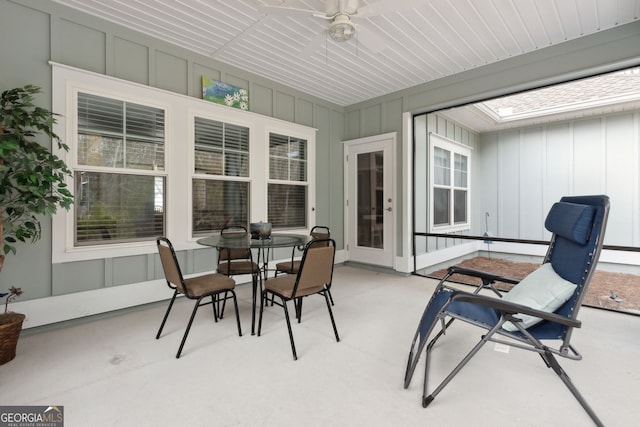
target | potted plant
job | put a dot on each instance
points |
(10, 327)
(32, 178)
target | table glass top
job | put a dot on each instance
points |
(277, 240)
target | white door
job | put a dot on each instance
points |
(370, 199)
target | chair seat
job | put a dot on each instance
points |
(238, 267)
(208, 283)
(284, 285)
(288, 267)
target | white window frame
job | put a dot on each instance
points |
(304, 183)
(454, 147)
(180, 111)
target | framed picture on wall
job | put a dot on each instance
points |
(224, 93)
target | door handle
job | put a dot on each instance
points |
(388, 209)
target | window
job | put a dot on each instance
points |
(119, 195)
(220, 192)
(287, 187)
(449, 199)
(149, 162)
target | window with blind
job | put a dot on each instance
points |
(288, 184)
(119, 176)
(450, 184)
(220, 187)
(150, 162)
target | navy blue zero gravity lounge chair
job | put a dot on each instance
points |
(543, 306)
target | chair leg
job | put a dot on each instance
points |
(298, 305)
(552, 362)
(235, 304)
(186, 332)
(214, 306)
(286, 316)
(335, 330)
(224, 304)
(254, 295)
(263, 297)
(166, 315)
(426, 400)
(330, 296)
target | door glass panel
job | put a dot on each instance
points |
(370, 220)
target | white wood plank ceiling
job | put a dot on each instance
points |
(407, 43)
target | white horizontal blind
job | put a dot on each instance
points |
(221, 148)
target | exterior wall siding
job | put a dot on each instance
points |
(536, 166)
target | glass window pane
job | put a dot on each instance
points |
(298, 149)
(298, 171)
(278, 168)
(97, 150)
(209, 162)
(287, 158)
(441, 199)
(218, 203)
(236, 137)
(459, 206)
(100, 114)
(441, 166)
(113, 208)
(208, 134)
(278, 145)
(460, 170)
(144, 155)
(221, 148)
(287, 205)
(113, 133)
(144, 121)
(236, 164)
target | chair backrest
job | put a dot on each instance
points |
(316, 267)
(172, 272)
(320, 233)
(230, 254)
(578, 224)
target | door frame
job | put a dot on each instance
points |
(392, 136)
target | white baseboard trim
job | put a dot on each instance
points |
(60, 308)
(49, 310)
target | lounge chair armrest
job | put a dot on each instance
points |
(490, 277)
(512, 308)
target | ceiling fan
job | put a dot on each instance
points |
(343, 15)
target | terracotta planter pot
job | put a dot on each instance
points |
(10, 328)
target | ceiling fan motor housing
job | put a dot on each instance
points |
(341, 29)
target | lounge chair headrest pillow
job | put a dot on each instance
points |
(571, 221)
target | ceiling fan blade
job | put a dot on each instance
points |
(291, 11)
(380, 7)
